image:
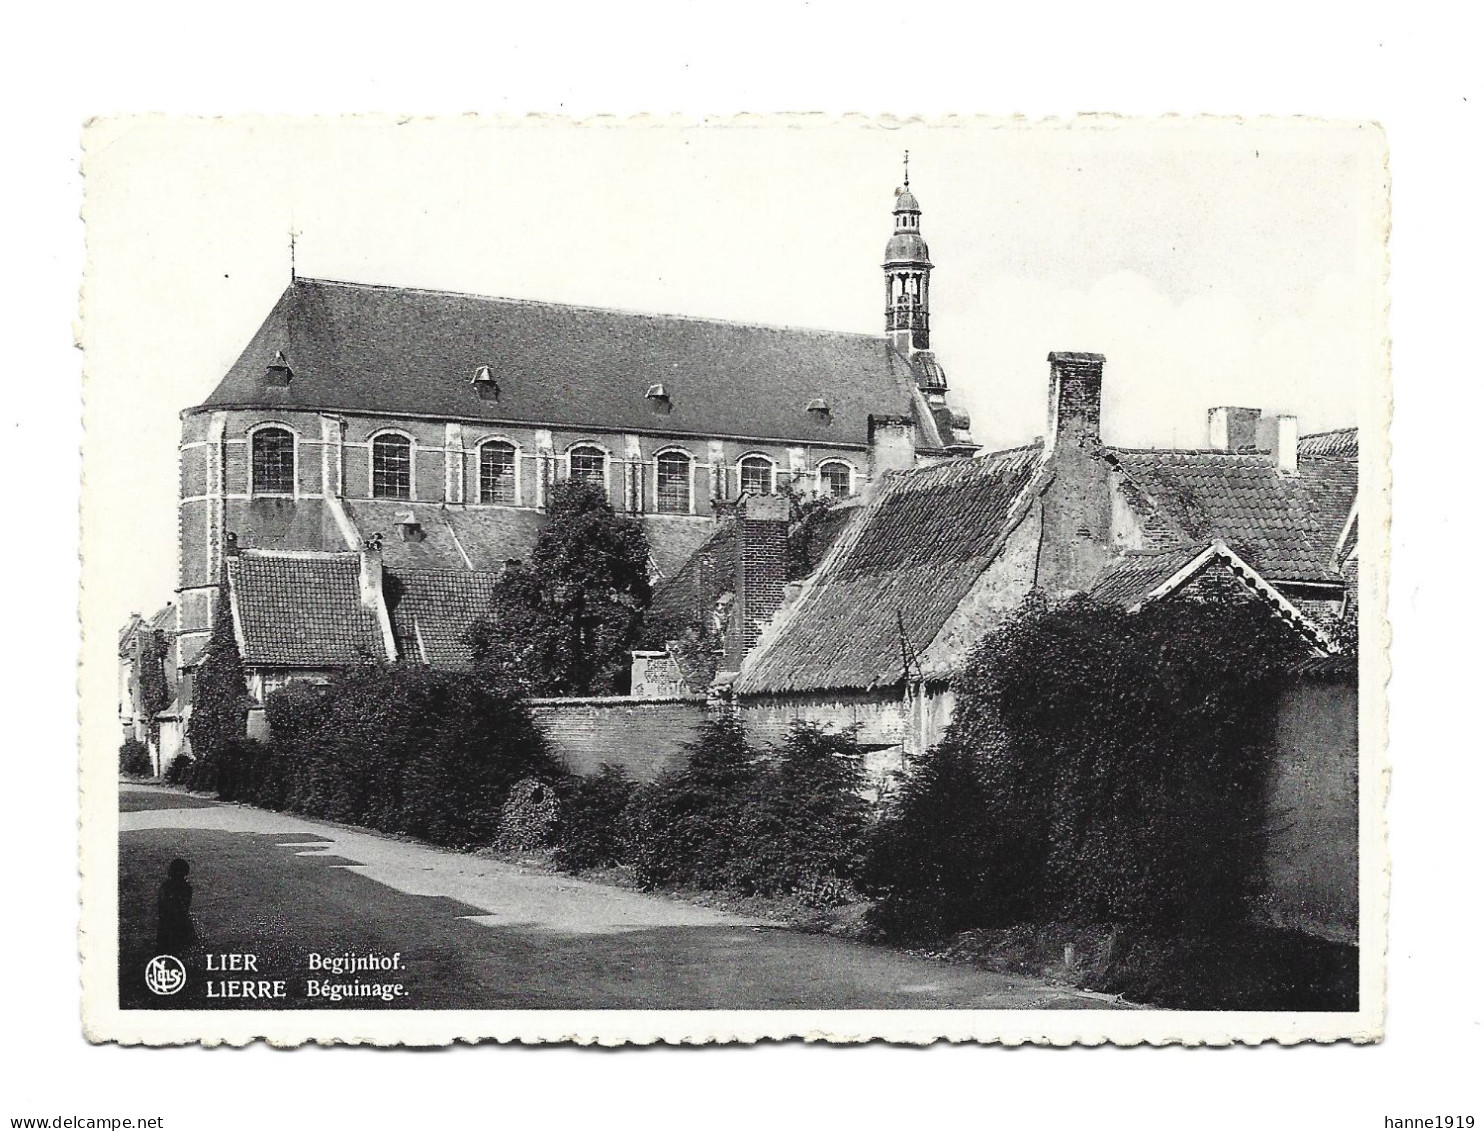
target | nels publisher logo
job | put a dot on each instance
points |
(165, 974)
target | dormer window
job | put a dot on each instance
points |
(485, 384)
(818, 410)
(658, 398)
(278, 374)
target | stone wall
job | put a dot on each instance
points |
(1314, 810)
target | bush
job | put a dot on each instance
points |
(685, 826)
(588, 832)
(806, 821)
(734, 818)
(528, 816)
(402, 749)
(1102, 767)
(180, 770)
(134, 759)
(934, 862)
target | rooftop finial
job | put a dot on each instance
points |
(906, 178)
(293, 263)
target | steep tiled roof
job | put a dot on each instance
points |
(302, 610)
(1132, 576)
(894, 577)
(1339, 442)
(353, 347)
(432, 609)
(1286, 526)
(129, 633)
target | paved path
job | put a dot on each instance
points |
(476, 933)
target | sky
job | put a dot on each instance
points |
(1213, 262)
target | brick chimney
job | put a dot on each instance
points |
(1075, 409)
(1232, 429)
(1278, 435)
(762, 544)
(1076, 505)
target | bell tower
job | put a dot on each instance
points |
(907, 268)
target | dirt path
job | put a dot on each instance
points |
(478, 933)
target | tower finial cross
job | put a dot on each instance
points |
(293, 255)
(906, 177)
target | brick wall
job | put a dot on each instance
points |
(642, 736)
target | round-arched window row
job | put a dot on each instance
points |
(272, 461)
(590, 463)
(674, 479)
(756, 475)
(835, 479)
(391, 466)
(497, 471)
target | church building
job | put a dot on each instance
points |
(427, 428)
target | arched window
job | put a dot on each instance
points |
(273, 461)
(834, 479)
(391, 467)
(756, 474)
(590, 463)
(497, 472)
(673, 472)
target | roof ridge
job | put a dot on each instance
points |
(594, 308)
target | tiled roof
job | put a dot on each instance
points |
(454, 538)
(1339, 442)
(673, 539)
(129, 633)
(353, 347)
(432, 609)
(267, 523)
(302, 610)
(1286, 526)
(894, 577)
(691, 591)
(1136, 577)
(164, 620)
(1132, 576)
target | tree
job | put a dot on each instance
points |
(219, 699)
(149, 671)
(564, 624)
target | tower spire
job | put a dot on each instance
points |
(907, 268)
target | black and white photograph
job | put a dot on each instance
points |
(615, 580)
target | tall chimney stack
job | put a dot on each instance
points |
(762, 548)
(1074, 414)
(1233, 429)
(1279, 436)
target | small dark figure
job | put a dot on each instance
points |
(176, 932)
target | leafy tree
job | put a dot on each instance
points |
(565, 623)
